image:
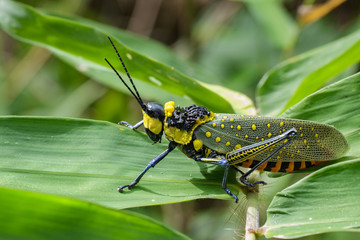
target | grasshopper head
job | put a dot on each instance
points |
(153, 116)
(153, 113)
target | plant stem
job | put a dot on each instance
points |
(252, 213)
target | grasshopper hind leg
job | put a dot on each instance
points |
(243, 180)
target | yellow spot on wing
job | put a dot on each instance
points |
(253, 127)
(218, 139)
(281, 124)
(208, 134)
(269, 135)
(214, 124)
(227, 143)
(222, 125)
(238, 127)
(237, 146)
(268, 125)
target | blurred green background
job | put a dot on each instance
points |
(232, 41)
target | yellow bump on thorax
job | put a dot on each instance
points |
(169, 108)
(197, 144)
(177, 135)
(153, 124)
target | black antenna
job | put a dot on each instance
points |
(137, 95)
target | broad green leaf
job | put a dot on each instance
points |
(337, 104)
(28, 215)
(279, 26)
(85, 46)
(291, 81)
(325, 201)
(88, 160)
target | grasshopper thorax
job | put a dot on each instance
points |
(180, 123)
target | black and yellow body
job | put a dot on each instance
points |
(262, 143)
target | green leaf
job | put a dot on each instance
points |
(88, 160)
(338, 105)
(296, 78)
(279, 26)
(325, 201)
(27, 215)
(85, 46)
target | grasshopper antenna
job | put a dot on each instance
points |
(137, 95)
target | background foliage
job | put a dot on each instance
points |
(293, 49)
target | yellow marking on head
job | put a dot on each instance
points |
(305, 142)
(281, 124)
(153, 124)
(227, 143)
(197, 144)
(316, 135)
(222, 125)
(246, 136)
(290, 167)
(213, 124)
(238, 127)
(237, 146)
(217, 139)
(269, 135)
(208, 134)
(268, 125)
(169, 108)
(253, 127)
